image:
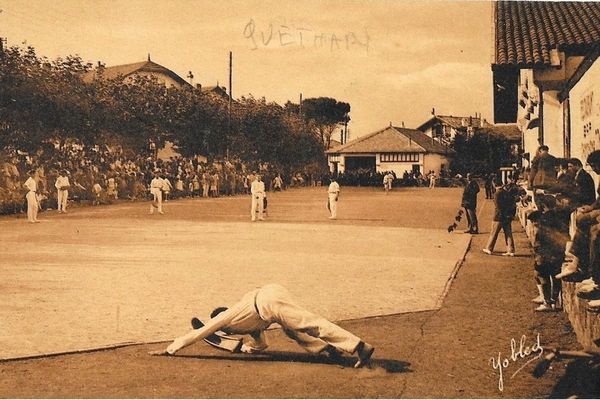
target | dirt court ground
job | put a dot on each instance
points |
(100, 274)
(106, 275)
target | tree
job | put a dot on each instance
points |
(327, 114)
(481, 153)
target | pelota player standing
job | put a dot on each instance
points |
(156, 186)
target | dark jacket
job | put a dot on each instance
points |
(505, 205)
(469, 197)
(543, 172)
(551, 236)
(584, 188)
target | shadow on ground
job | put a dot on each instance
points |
(390, 366)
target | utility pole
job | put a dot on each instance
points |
(2, 44)
(230, 99)
(300, 109)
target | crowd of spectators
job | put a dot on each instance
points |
(369, 177)
(564, 228)
(101, 175)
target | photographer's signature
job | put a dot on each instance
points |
(517, 351)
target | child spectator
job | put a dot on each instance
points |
(551, 233)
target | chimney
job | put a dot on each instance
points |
(198, 86)
(149, 57)
(433, 111)
(403, 124)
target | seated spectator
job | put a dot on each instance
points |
(584, 251)
(584, 192)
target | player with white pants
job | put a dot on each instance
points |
(32, 201)
(272, 303)
(333, 192)
(156, 186)
(257, 191)
(62, 186)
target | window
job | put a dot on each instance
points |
(399, 157)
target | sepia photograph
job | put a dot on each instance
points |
(299, 199)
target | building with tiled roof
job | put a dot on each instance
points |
(391, 149)
(444, 128)
(144, 68)
(545, 74)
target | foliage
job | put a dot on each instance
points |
(480, 153)
(43, 101)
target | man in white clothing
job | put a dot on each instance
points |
(333, 192)
(272, 303)
(32, 201)
(257, 190)
(156, 186)
(62, 186)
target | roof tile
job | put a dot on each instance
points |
(526, 31)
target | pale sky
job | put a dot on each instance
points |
(393, 61)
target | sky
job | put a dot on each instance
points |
(392, 61)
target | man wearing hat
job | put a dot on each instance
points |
(62, 186)
(272, 303)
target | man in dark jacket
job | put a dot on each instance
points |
(503, 216)
(469, 202)
(584, 253)
(584, 193)
(543, 170)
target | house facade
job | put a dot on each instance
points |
(390, 149)
(444, 128)
(545, 73)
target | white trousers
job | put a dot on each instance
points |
(157, 194)
(257, 200)
(32, 206)
(62, 198)
(309, 330)
(333, 205)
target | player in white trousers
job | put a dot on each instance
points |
(257, 191)
(272, 303)
(156, 186)
(32, 201)
(62, 186)
(333, 192)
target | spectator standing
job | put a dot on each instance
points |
(469, 202)
(504, 213)
(543, 170)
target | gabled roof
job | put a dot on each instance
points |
(453, 121)
(393, 140)
(131, 69)
(526, 31)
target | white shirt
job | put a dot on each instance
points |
(258, 187)
(61, 181)
(334, 188)
(241, 318)
(157, 183)
(167, 187)
(31, 184)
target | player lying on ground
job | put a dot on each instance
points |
(272, 303)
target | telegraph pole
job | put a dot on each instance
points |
(230, 99)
